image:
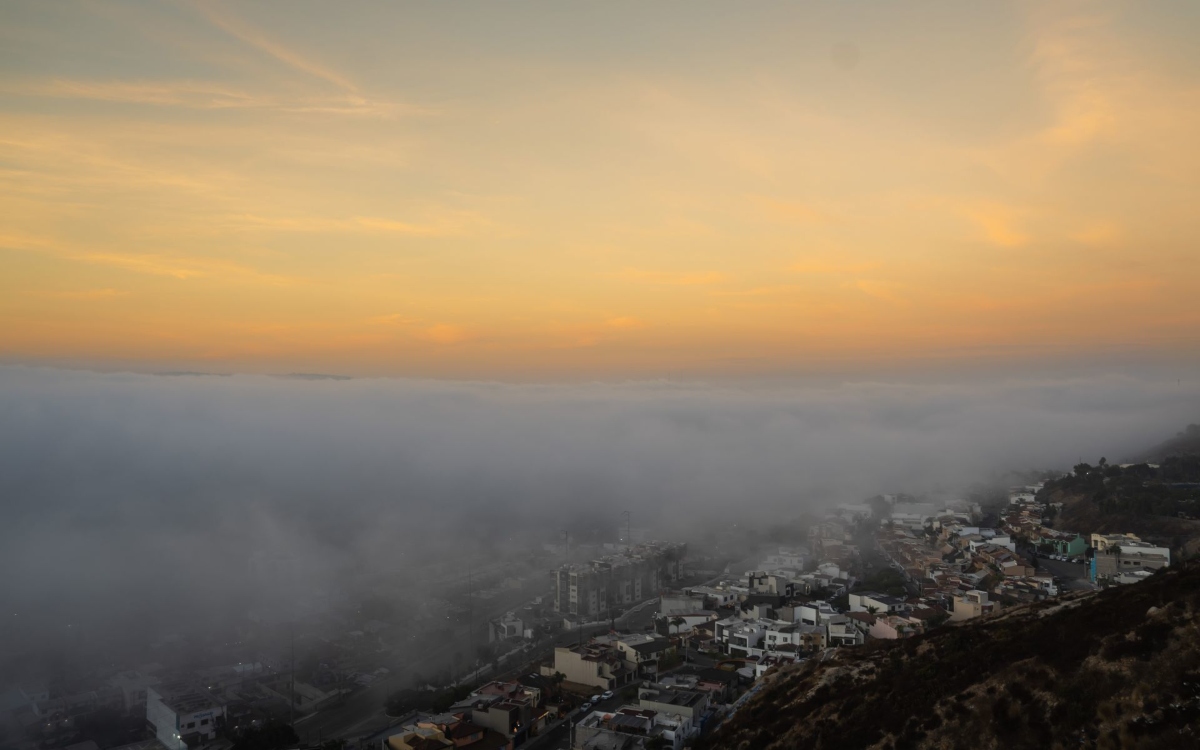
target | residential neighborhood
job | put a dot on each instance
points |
(646, 644)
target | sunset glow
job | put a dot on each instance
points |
(508, 190)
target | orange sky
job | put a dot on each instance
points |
(532, 189)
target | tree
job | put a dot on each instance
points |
(677, 622)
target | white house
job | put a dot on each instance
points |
(815, 613)
(870, 601)
(181, 712)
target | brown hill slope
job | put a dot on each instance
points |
(1118, 669)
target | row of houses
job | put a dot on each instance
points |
(1111, 558)
(500, 715)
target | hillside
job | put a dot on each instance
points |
(1186, 443)
(1157, 502)
(1116, 669)
(1157, 497)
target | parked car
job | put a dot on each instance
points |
(595, 699)
(607, 694)
(585, 708)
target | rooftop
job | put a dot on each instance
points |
(685, 698)
(184, 698)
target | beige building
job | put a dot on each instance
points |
(667, 700)
(423, 736)
(597, 665)
(971, 604)
(1102, 542)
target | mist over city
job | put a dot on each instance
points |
(138, 503)
(622, 376)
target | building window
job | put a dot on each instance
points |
(203, 722)
(191, 725)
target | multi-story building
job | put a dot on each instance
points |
(971, 604)
(642, 653)
(1128, 557)
(1101, 542)
(589, 591)
(595, 664)
(182, 714)
(663, 699)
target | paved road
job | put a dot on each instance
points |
(559, 738)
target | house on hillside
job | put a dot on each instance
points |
(969, 605)
(1071, 547)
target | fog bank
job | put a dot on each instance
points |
(124, 494)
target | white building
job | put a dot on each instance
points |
(815, 613)
(180, 712)
(869, 601)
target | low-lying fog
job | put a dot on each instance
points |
(128, 497)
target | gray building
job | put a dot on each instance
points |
(590, 591)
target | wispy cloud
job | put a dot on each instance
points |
(446, 225)
(393, 319)
(999, 224)
(177, 266)
(666, 278)
(201, 95)
(624, 321)
(445, 334)
(255, 38)
(182, 268)
(832, 266)
(888, 291)
(83, 295)
(789, 210)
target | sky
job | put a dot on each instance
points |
(549, 191)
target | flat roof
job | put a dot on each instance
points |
(673, 697)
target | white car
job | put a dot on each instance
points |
(595, 699)
(585, 707)
(607, 694)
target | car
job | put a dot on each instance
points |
(607, 694)
(585, 708)
(595, 699)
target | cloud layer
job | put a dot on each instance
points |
(129, 497)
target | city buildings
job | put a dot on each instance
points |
(590, 591)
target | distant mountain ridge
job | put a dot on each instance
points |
(1118, 669)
